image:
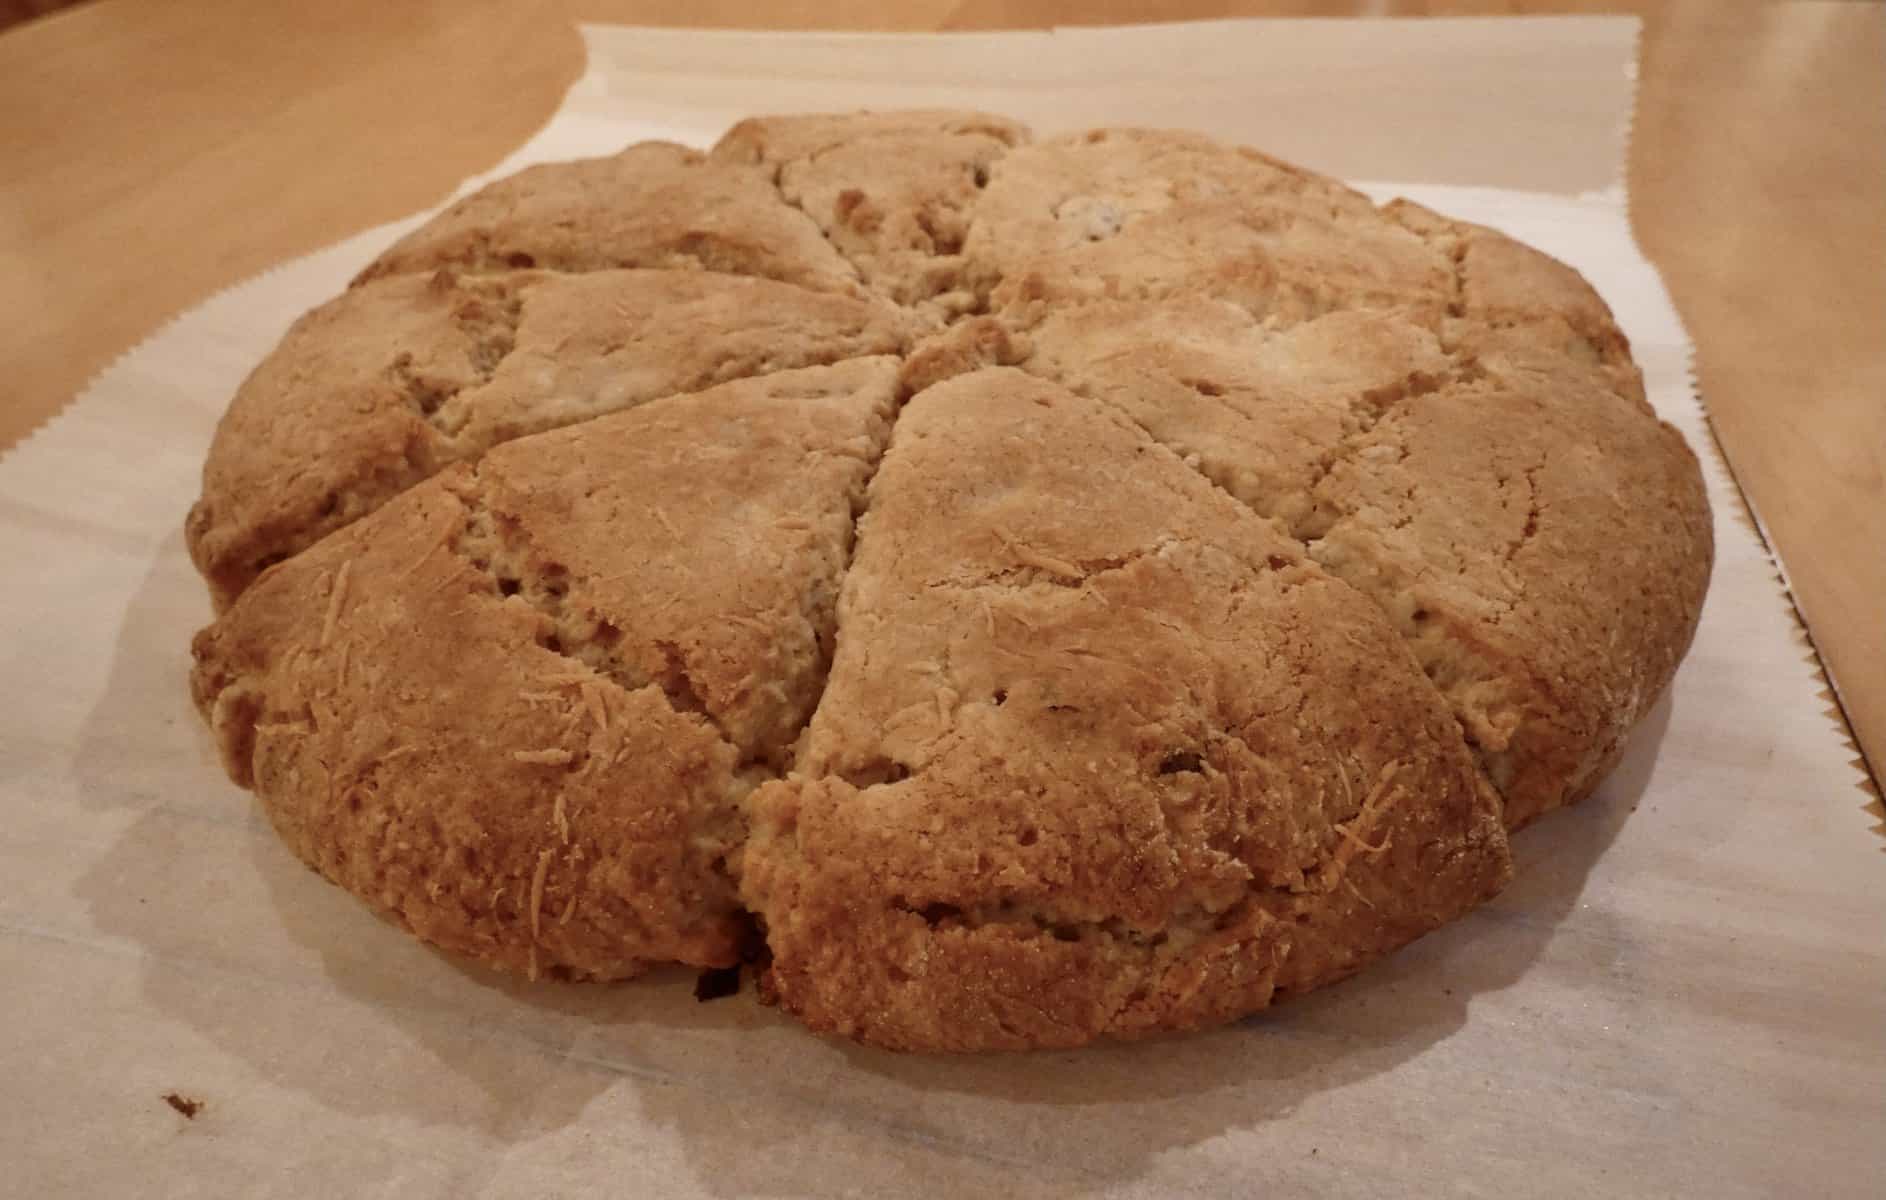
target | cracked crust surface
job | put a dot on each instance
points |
(655, 204)
(926, 171)
(1246, 560)
(389, 382)
(1148, 214)
(503, 712)
(1101, 753)
(1469, 482)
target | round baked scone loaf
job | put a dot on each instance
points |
(1010, 592)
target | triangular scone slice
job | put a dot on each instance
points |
(1540, 536)
(1545, 546)
(654, 204)
(1100, 753)
(384, 385)
(1146, 214)
(893, 191)
(1498, 489)
(1258, 410)
(518, 708)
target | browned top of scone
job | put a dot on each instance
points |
(893, 191)
(503, 711)
(655, 204)
(1150, 214)
(1246, 556)
(1101, 753)
(390, 381)
(1467, 473)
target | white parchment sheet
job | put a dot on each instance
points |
(1682, 993)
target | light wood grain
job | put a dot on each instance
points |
(151, 154)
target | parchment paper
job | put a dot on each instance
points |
(1683, 992)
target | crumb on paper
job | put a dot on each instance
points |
(186, 1105)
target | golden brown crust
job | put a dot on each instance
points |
(1259, 410)
(892, 191)
(654, 204)
(382, 386)
(790, 137)
(1545, 554)
(1512, 302)
(1146, 214)
(1468, 477)
(1246, 558)
(502, 711)
(1101, 753)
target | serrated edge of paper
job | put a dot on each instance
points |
(1833, 705)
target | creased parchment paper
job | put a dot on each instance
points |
(1683, 992)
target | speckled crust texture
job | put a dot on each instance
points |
(1101, 753)
(1489, 473)
(500, 710)
(384, 385)
(1148, 214)
(925, 170)
(655, 204)
(1021, 592)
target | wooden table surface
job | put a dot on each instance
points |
(151, 154)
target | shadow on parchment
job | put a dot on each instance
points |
(519, 1061)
